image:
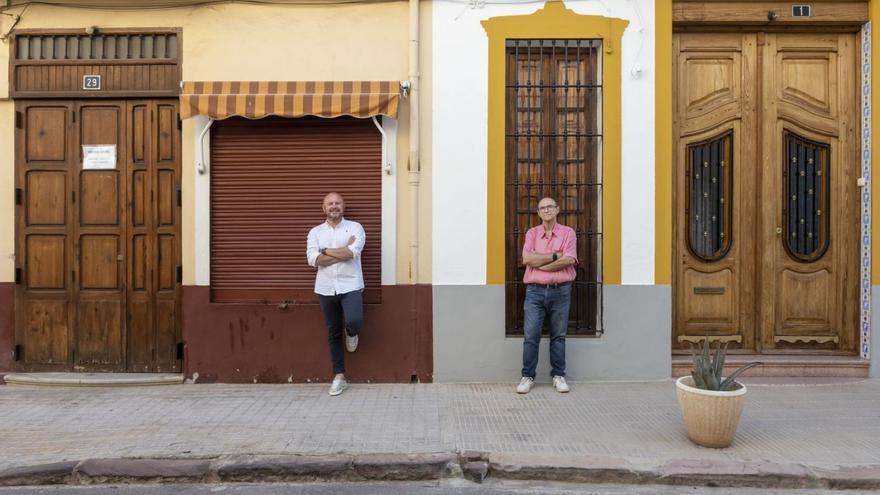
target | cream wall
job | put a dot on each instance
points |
(460, 129)
(255, 42)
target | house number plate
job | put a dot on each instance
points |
(92, 83)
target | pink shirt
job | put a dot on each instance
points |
(563, 241)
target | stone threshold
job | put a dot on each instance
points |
(61, 379)
(784, 365)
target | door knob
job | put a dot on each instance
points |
(119, 257)
(778, 230)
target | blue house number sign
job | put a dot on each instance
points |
(92, 83)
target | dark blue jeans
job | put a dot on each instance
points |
(348, 307)
(545, 302)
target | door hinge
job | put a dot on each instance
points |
(19, 196)
(73, 116)
(19, 352)
(179, 197)
(179, 123)
(179, 274)
(18, 276)
(18, 119)
(179, 351)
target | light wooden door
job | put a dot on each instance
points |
(98, 241)
(752, 267)
(809, 220)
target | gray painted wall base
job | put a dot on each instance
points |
(875, 333)
(470, 346)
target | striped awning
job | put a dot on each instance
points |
(258, 99)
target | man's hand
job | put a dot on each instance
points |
(326, 260)
(536, 260)
(557, 265)
(340, 253)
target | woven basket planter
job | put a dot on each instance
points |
(710, 416)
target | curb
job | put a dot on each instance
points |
(473, 466)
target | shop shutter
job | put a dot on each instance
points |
(268, 180)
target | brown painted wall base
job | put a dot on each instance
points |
(246, 343)
(7, 327)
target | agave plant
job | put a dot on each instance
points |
(707, 369)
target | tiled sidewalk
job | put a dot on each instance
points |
(824, 424)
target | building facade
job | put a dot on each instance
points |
(714, 159)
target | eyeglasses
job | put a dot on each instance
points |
(547, 207)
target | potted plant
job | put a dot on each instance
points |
(710, 404)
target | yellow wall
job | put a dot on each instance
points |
(255, 42)
(663, 142)
(556, 21)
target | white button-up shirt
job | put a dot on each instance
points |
(342, 277)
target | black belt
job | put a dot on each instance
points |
(551, 286)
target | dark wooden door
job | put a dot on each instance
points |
(98, 239)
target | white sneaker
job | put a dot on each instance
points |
(351, 343)
(525, 385)
(338, 386)
(559, 383)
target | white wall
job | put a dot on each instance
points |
(459, 126)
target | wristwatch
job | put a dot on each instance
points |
(555, 256)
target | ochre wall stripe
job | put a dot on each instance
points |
(663, 143)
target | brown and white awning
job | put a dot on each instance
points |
(258, 99)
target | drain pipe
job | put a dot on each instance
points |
(413, 165)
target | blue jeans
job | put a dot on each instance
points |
(342, 310)
(541, 302)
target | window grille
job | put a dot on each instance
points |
(807, 197)
(553, 148)
(709, 191)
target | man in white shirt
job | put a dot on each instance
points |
(334, 248)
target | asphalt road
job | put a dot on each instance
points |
(454, 487)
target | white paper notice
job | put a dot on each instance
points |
(99, 156)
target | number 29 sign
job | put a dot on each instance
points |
(91, 82)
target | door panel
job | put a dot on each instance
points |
(166, 232)
(99, 249)
(789, 281)
(809, 273)
(712, 280)
(44, 311)
(99, 231)
(154, 237)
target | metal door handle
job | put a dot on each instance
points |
(778, 230)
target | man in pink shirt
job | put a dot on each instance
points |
(549, 253)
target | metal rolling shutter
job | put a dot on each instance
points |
(268, 180)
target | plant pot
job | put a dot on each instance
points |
(710, 416)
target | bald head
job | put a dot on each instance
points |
(334, 207)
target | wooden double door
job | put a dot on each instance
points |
(98, 235)
(766, 199)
